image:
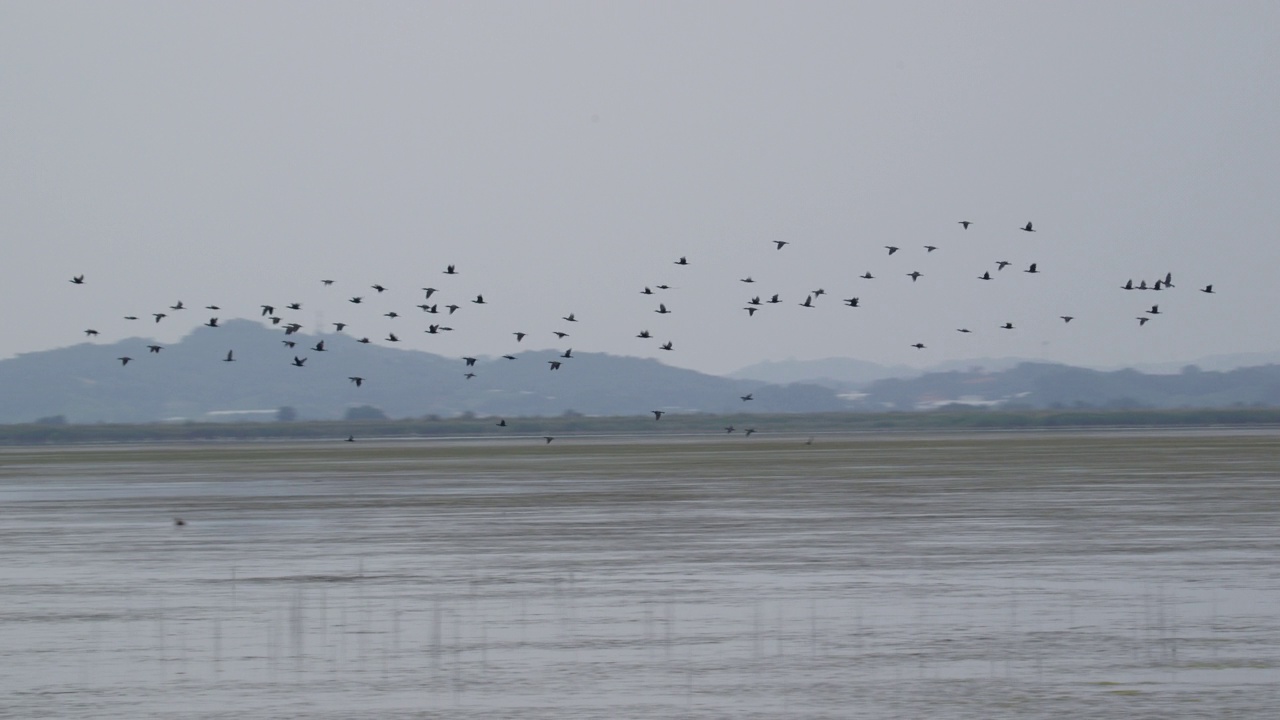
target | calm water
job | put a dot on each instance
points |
(995, 576)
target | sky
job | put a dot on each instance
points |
(564, 156)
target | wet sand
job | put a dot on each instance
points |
(1003, 575)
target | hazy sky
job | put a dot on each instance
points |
(564, 155)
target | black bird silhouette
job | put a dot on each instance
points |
(363, 341)
(391, 337)
(963, 330)
(748, 431)
(469, 375)
(470, 361)
(393, 314)
(212, 307)
(965, 223)
(662, 309)
(930, 248)
(298, 362)
(338, 326)
(213, 322)
(915, 275)
(780, 243)
(155, 348)
(567, 353)
(646, 291)
(808, 302)
(818, 292)
(561, 335)
(289, 343)
(663, 287)
(1142, 321)
(1027, 228)
(1155, 310)
(891, 249)
(356, 379)
(774, 299)
(509, 357)
(1067, 318)
(657, 414)
(130, 317)
(1002, 264)
(918, 346)
(77, 280)
(178, 306)
(377, 287)
(124, 360)
(1007, 326)
(748, 396)
(750, 311)
(230, 356)
(548, 438)
(429, 291)
(292, 328)
(868, 276)
(91, 332)
(351, 438)
(644, 334)
(502, 423)
(851, 302)
(1168, 279)
(729, 429)
(452, 308)
(682, 261)
(1143, 285)
(479, 300)
(357, 300)
(1128, 285)
(327, 282)
(268, 310)
(754, 301)
(569, 318)
(179, 522)
(451, 270)
(293, 306)
(1158, 286)
(159, 316)
(1207, 289)
(986, 275)
(319, 346)
(519, 336)
(747, 279)
(665, 346)
(555, 364)
(1031, 269)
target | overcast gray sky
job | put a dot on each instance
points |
(564, 155)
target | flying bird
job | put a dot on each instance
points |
(77, 280)
(124, 360)
(501, 423)
(391, 337)
(357, 300)
(682, 261)
(159, 316)
(213, 322)
(750, 310)
(747, 279)
(430, 291)
(808, 302)
(561, 335)
(230, 356)
(915, 275)
(1007, 326)
(1031, 269)
(377, 287)
(1207, 289)
(327, 282)
(567, 353)
(665, 346)
(548, 438)
(891, 249)
(289, 343)
(986, 275)
(555, 364)
(748, 431)
(298, 362)
(1027, 228)
(452, 308)
(781, 243)
(1002, 264)
(569, 318)
(646, 291)
(868, 276)
(748, 396)
(918, 346)
(1128, 285)
(91, 332)
(657, 414)
(519, 336)
(470, 361)
(178, 306)
(479, 300)
(268, 310)
(965, 224)
(319, 346)
(290, 306)
(774, 299)
(930, 248)
(1067, 318)
(644, 334)
(155, 348)
(338, 326)
(963, 330)
(1155, 310)
(851, 302)
(469, 375)
(356, 379)
(509, 357)
(1142, 321)
(451, 270)
(662, 309)
(393, 314)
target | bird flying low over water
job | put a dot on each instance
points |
(230, 356)
(548, 438)
(357, 380)
(657, 414)
(77, 280)
(501, 423)
(1027, 228)
(749, 431)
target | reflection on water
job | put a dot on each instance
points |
(920, 577)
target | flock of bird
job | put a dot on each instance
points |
(433, 304)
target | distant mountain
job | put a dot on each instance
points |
(845, 374)
(1046, 385)
(188, 380)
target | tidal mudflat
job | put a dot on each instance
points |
(998, 575)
